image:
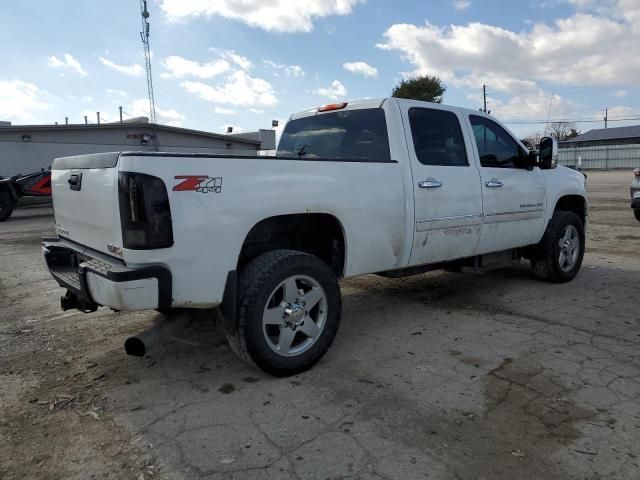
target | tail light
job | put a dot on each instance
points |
(145, 214)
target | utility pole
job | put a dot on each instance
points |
(120, 108)
(144, 35)
(484, 94)
(606, 116)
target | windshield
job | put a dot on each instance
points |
(350, 134)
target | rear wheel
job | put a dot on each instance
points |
(289, 308)
(6, 204)
(560, 253)
(636, 212)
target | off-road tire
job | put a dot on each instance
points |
(545, 263)
(636, 212)
(256, 282)
(6, 204)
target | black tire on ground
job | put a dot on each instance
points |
(257, 285)
(636, 212)
(6, 204)
(546, 264)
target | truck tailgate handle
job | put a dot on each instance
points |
(75, 181)
(494, 183)
(430, 183)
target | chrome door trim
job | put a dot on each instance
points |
(455, 221)
(500, 217)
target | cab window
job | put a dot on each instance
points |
(437, 137)
(496, 147)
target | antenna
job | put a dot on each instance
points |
(144, 35)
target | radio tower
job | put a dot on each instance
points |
(144, 35)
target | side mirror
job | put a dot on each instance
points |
(548, 151)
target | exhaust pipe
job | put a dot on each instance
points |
(141, 344)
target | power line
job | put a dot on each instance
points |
(533, 122)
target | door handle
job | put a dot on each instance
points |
(430, 183)
(494, 183)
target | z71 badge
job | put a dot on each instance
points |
(198, 183)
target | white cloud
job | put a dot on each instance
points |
(289, 70)
(140, 108)
(224, 111)
(580, 49)
(238, 89)
(243, 62)
(461, 4)
(272, 15)
(20, 101)
(87, 98)
(362, 68)
(67, 63)
(179, 67)
(336, 91)
(256, 110)
(117, 93)
(620, 93)
(134, 70)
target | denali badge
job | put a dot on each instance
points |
(62, 231)
(198, 183)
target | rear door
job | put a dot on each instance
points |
(85, 200)
(446, 185)
(513, 197)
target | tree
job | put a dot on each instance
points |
(532, 140)
(426, 88)
(563, 131)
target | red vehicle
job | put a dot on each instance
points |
(12, 189)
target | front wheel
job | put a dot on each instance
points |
(560, 252)
(289, 309)
(6, 204)
(636, 212)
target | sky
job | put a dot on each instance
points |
(245, 63)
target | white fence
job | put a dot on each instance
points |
(602, 157)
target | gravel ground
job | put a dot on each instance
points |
(440, 376)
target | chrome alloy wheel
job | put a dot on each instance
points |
(569, 248)
(294, 316)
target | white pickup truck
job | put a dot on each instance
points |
(394, 187)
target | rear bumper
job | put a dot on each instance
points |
(94, 279)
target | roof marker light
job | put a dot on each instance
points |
(332, 106)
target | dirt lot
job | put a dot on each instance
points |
(440, 376)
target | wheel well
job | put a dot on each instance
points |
(573, 203)
(318, 234)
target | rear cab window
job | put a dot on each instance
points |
(344, 135)
(437, 137)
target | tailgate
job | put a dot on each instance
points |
(85, 200)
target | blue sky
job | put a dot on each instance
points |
(246, 62)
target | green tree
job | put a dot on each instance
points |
(426, 88)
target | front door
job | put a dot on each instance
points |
(446, 186)
(513, 196)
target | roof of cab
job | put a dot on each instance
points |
(378, 102)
